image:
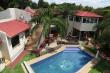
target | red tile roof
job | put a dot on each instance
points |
(13, 27)
(87, 14)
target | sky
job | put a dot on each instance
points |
(91, 3)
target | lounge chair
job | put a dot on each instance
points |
(51, 49)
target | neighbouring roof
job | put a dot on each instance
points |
(13, 27)
(87, 14)
(30, 11)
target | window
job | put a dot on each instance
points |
(94, 20)
(89, 20)
(71, 18)
(15, 41)
(77, 19)
(84, 20)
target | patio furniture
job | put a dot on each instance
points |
(51, 49)
(68, 43)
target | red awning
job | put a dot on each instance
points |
(87, 14)
(13, 27)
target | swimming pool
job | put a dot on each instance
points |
(68, 61)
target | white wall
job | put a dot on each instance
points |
(15, 51)
(4, 46)
(70, 27)
(71, 24)
(84, 26)
(14, 13)
(19, 12)
(87, 27)
(5, 14)
(77, 25)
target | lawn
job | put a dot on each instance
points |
(18, 68)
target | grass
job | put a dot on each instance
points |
(100, 67)
(18, 68)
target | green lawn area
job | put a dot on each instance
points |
(100, 67)
(18, 68)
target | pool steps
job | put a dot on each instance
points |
(71, 49)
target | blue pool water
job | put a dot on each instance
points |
(68, 61)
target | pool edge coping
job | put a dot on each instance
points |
(32, 61)
(87, 66)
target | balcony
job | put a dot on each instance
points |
(84, 26)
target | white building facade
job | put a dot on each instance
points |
(15, 13)
(13, 38)
(82, 23)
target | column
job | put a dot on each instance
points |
(81, 20)
(97, 20)
(79, 35)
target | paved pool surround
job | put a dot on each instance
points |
(85, 69)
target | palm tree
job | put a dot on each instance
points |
(46, 19)
(103, 35)
(60, 25)
(101, 27)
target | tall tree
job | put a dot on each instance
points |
(103, 30)
(4, 3)
(87, 8)
(46, 18)
(42, 4)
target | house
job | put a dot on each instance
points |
(13, 38)
(82, 24)
(30, 11)
(15, 13)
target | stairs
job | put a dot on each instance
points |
(71, 49)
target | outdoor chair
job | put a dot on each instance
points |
(51, 49)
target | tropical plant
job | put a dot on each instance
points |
(103, 35)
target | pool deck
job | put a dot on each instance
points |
(45, 56)
(85, 69)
